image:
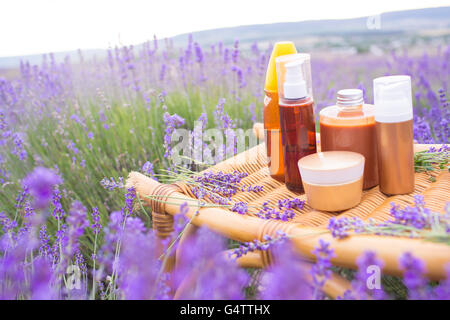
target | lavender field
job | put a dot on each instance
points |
(71, 131)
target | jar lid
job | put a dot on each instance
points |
(331, 167)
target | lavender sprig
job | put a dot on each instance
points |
(414, 222)
(432, 159)
(320, 271)
(258, 245)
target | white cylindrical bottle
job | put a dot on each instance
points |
(394, 127)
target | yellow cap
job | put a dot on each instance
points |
(279, 49)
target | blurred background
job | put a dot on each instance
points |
(30, 28)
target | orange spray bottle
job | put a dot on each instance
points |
(272, 114)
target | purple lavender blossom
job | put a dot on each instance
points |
(218, 186)
(254, 245)
(139, 267)
(287, 278)
(442, 291)
(418, 216)
(240, 207)
(368, 263)
(96, 226)
(58, 212)
(215, 277)
(171, 122)
(339, 227)
(266, 212)
(21, 197)
(42, 281)
(77, 222)
(320, 271)
(129, 198)
(44, 237)
(41, 182)
(112, 184)
(147, 168)
(413, 277)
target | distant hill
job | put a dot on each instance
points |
(391, 24)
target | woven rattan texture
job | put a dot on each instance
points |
(374, 204)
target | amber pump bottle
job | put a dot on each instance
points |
(350, 126)
(272, 114)
(394, 127)
(297, 122)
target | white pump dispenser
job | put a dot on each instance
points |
(294, 85)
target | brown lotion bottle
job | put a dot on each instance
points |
(350, 126)
(394, 127)
(271, 112)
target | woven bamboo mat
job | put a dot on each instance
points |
(307, 226)
(374, 204)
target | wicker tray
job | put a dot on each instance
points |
(308, 225)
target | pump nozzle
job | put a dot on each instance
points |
(294, 76)
(294, 85)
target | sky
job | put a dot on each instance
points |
(37, 26)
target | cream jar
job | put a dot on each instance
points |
(333, 180)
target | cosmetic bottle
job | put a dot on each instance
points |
(332, 180)
(272, 114)
(296, 104)
(350, 126)
(394, 128)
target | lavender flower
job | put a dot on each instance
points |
(41, 182)
(42, 281)
(339, 227)
(147, 168)
(96, 226)
(129, 198)
(413, 277)
(368, 263)
(419, 217)
(20, 200)
(58, 212)
(240, 207)
(112, 184)
(215, 277)
(321, 269)
(77, 221)
(266, 212)
(254, 245)
(44, 237)
(287, 278)
(139, 268)
(442, 291)
(171, 122)
(218, 186)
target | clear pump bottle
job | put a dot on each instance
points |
(297, 122)
(394, 127)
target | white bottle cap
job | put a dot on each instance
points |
(294, 85)
(393, 99)
(350, 97)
